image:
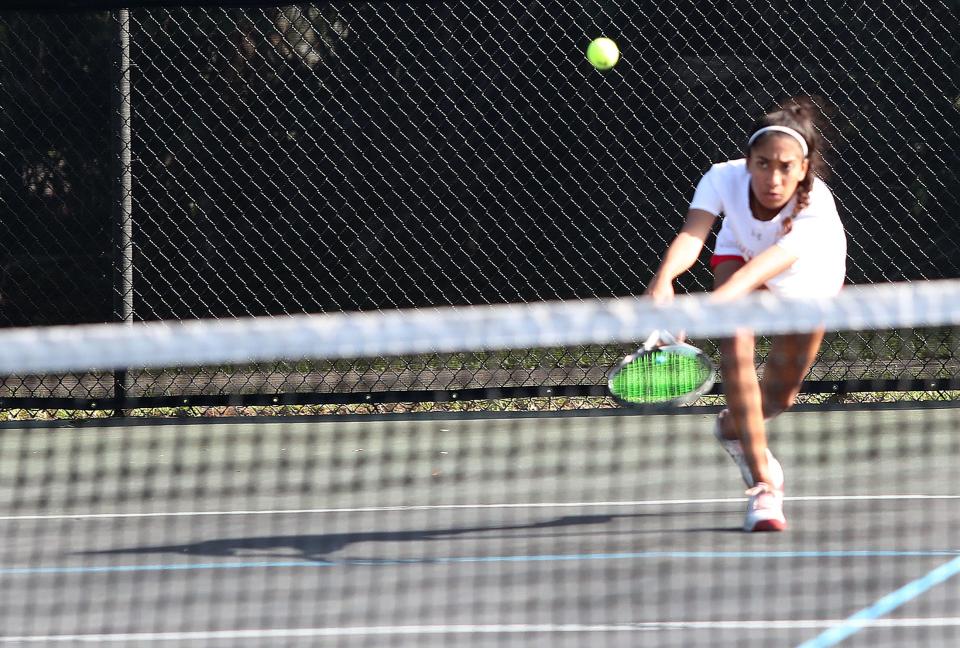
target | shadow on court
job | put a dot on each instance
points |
(317, 547)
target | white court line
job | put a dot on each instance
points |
(654, 626)
(442, 507)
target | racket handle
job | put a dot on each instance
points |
(661, 337)
(653, 341)
(667, 338)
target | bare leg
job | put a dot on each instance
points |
(745, 402)
(749, 402)
(742, 389)
(787, 364)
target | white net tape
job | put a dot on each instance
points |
(468, 328)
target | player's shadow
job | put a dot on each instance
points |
(318, 547)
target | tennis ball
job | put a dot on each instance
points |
(603, 53)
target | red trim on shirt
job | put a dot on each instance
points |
(717, 259)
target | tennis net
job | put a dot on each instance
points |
(593, 527)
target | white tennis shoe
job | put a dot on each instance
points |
(764, 509)
(735, 450)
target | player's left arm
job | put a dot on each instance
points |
(755, 273)
(805, 238)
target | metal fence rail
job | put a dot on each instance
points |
(345, 156)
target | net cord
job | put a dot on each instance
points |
(55, 349)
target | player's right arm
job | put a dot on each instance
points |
(682, 253)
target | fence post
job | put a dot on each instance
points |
(122, 191)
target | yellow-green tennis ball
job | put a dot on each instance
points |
(603, 53)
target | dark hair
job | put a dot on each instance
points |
(803, 115)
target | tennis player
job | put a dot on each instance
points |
(780, 231)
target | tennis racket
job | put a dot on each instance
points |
(662, 372)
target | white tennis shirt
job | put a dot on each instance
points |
(817, 238)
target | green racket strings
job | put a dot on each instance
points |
(659, 376)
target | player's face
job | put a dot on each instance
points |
(776, 165)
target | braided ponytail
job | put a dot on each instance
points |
(803, 200)
(803, 115)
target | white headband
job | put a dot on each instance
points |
(786, 131)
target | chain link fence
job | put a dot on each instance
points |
(358, 156)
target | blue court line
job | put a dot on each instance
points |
(349, 562)
(883, 606)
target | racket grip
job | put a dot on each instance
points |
(661, 337)
(653, 341)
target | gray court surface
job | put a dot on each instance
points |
(578, 530)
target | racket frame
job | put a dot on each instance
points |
(665, 341)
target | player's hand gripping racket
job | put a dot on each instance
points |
(662, 372)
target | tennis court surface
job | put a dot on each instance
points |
(594, 527)
(541, 530)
